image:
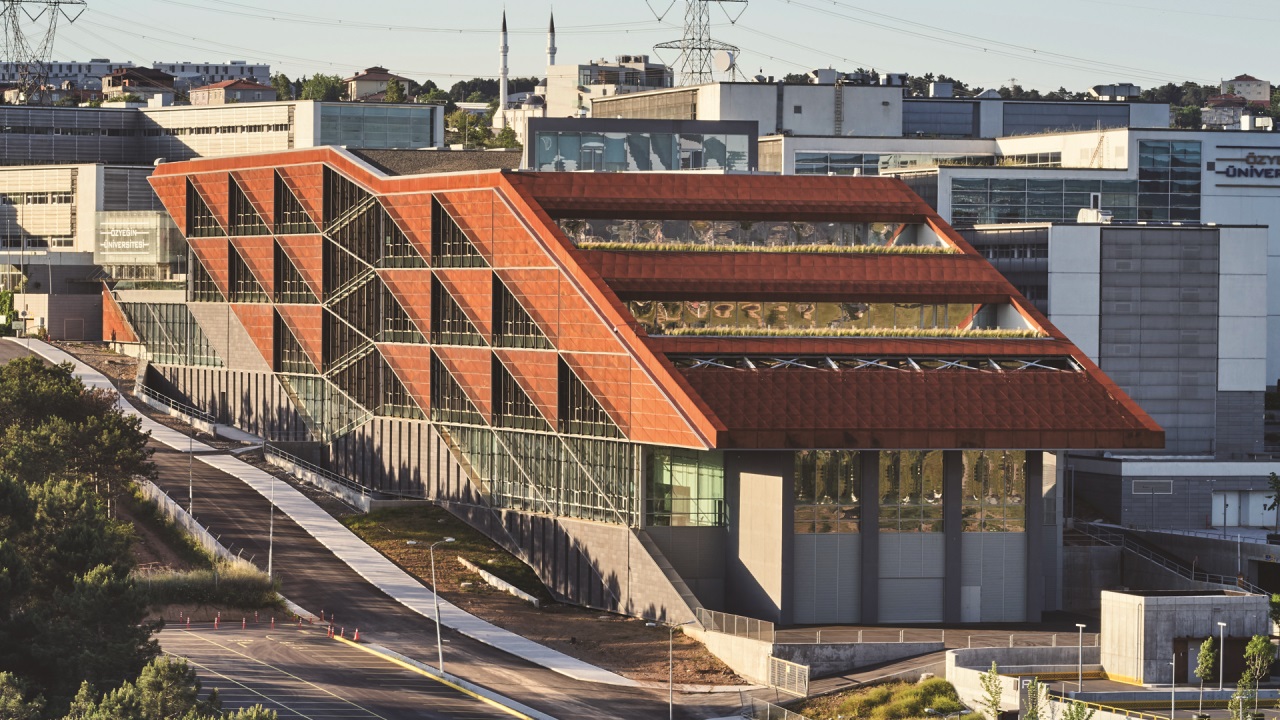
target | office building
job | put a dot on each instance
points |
(568, 144)
(798, 424)
(82, 75)
(232, 91)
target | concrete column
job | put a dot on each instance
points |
(952, 524)
(1033, 495)
(761, 543)
(869, 494)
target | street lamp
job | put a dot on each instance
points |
(671, 664)
(1222, 652)
(271, 531)
(435, 594)
(1173, 684)
(1080, 657)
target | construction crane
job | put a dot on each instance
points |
(27, 49)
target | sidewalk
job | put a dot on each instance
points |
(364, 560)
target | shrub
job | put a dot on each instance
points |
(811, 249)
(224, 584)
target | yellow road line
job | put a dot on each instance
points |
(285, 673)
(442, 681)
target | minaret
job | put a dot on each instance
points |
(551, 41)
(502, 72)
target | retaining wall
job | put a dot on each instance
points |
(965, 668)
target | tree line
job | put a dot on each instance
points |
(75, 641)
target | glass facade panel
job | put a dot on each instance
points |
(370, 126)
(826, 163)
(606, 234)
(685, 488)
(977, 201)
(617, 152)
(910, 491)
(1169, 180)
(171, 334)
(994, 483)
(827, 484)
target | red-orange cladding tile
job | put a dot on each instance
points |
(538, 292)
(214, 254)
(258, 185)
(608, 378)
(412, 289)
(513, 245)
(214, 190)
(306, 252)
(259, 253)
(259, 322)
(412, 214)
(472, 210)
(472, 367)
(307, 183)
(412, 365)
(472, 288)
(115, 325)
(537, 372)
(306, 323)
(172, 191)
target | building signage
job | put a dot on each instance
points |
(1249, 164)
(132, 238)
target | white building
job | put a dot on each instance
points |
(85, 75)
(1248, 87)
(195, 74)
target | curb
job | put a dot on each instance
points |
(483, 694)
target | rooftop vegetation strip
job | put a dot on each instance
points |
(852, 332)
(664, 317)
(811, 249)
(765, 235)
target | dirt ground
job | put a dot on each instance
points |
(149, 548)
(621, 644)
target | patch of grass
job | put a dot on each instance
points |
(810, 249)
(891, 701)
(391, 531)
(147, 512)
(847, 332)
(224, 584)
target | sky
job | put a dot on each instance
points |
(1040, 44)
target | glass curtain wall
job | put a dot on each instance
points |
(630, 151)
(994, 483)
(827, 483)
(686, 488)
(911, 491)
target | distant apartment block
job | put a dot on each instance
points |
(370, 84)
(191, 74)
(1255, 91)
(232, 91)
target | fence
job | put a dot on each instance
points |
(178, 516)
(953, 638)
(736, 625)
(182, 408)
(761, 710)
(1121, 539)
(789, 677)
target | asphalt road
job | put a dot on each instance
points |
(11, 351)
(303, 675)
(314, 578)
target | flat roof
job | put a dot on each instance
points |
(418, 162)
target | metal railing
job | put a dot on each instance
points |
(1121, 539)
(329, 475)
(183, 408)
(736, 625)
(955, 638)
(685, 512)
(789, 677)
(761, 710)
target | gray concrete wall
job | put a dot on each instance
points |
(826, 573)
(758, 490)
(1211, 555)
(1159, 327)
(1091, 570)
(827, 659)
(698, 555)
(1139, 632)
(964, 668)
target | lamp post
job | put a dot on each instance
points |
(435, 595)
(1080, 657)
(671, 664)
(1222, 652)
(271, 531)
(1173, 684)
(191, 471)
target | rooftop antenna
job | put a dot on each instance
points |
(697, 46)
(29, 49)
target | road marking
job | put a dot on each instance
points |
(247, 689)
(370, 713)
(442, 681)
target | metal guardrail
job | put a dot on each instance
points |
(761, 710)
(269, 449)
(682, 512)
(1121, 539)
(736, 625)
(183, 408)
(789, 677)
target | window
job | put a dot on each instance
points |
(826, 490)
(799, 318)
(290, 286)
(450, 246)
(685, 488)
(911, 491)
(512, 326)
(823, 163)
(796, 110)
(290, 357)
(244, 218)
(449, 324)
(653, 234)
(448, 402)
(200, 219)
(202, 288)
(512, 407)
(244, 286)
(994, 483)
(580, 412)
(290, 217)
